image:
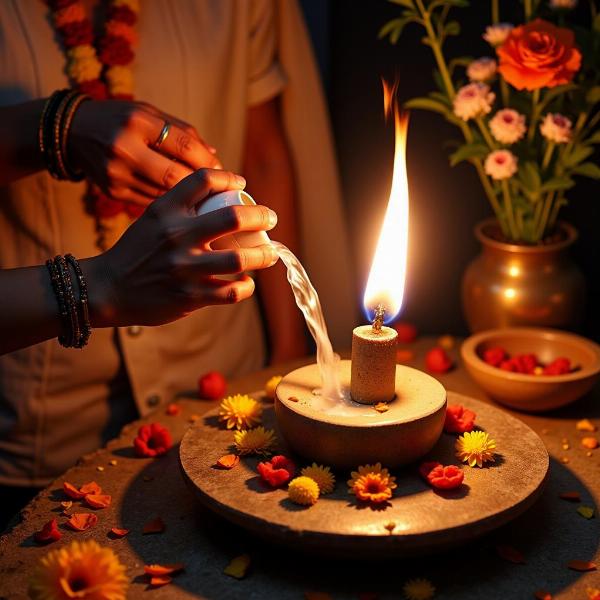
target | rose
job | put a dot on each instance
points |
(538, 55)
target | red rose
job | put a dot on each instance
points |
(48, 533)
(437, 361)
(122, 13)
(277, 471)
(152, 440)
(212, 386)
(95, 88)
(559, 366)
(539, 54)
(458, 419)
(115, 50)
(495, 356)
(77, 33)
(407, 332)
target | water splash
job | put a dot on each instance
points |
(308, 302)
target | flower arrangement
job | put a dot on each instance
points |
(527, 115)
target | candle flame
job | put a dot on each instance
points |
(385, 285)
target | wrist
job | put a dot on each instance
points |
(102, 300)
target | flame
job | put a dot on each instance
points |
(385, 285)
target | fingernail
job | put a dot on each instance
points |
(240, 181)
(274, 256)
(272, 218)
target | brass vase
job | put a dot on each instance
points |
(510, 285)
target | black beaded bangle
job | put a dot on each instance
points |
(56, 136)
(67, 284)
(45, 129)
(69, 113)
(86, 327)
(60, 299)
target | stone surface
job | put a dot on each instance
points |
(550, 534)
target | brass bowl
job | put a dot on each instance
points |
(533, 393)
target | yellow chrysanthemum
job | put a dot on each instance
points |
(418, 589)
(322, 475)
(303, 490)
(80, 570)
(271, 386)
(475, 448)
(134, 5)
(240, 411)
(372, 483)
(120, 80)
(254, 441)
(83, 64)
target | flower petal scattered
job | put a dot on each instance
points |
(161, 570)
(82, 521)
(228, 461)
(581, 565)
(118, 532)
(48, 533)
(238, 567)
(98, 500)
(587, 512)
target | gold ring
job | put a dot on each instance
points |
(162, 136)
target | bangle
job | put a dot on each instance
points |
(69, 113)
(86, 328)
(60, 299)
(44, 131)
(67, 284)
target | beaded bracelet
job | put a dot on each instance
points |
(86, 327)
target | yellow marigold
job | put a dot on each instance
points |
(303, 490)
(322, 475)
(120, 80)
(475, 448)
(83, 64)
(254, 441)
(134, 5)
(418, 589)
(372, 483)
(72, 13)
(79, 570)
(271, 386)
(123, 30)
(240, 411)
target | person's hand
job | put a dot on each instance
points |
(114, 143)
(162, 268)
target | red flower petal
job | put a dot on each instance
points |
(82, 521)
(495, 356)
(98, 500)
(71, 491)
(159, 581)
(581, 565)
(156, 525)
(90, 488)
(437, 361)
(459, 419)
(161, 570)
(427, 467)
(48, 533)
(407, 332)
(119, 533)
(152, 440)
(445, 478)
(173, 409)
(228, 461)
(212, 386)
(277, 471)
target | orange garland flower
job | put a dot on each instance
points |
(79, 570)
(372, 483)
(539, 54)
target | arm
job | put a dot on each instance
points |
(269, 172)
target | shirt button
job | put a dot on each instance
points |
(153, 400)
(134, 330)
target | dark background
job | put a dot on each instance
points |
(446, 202)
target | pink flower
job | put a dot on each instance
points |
(473, 100)
(496, 34)
(508, 126)
(556, 128)
(500, 164)
(483, 69)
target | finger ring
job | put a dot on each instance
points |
(162, 136)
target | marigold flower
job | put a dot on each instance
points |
(254, 441)
(73, 13)
(473, 100)
(277, 471)
(322, 475)
(120, 79)
(458, 419)
(475, 448)
(83, 64)
(271, 386)
(133, 5)
(372, 483)
(418, 589)
(120, 29)
(495, 35)
(79, 570)
(500, 164)
(152, 440)
(240, 411)
(482, 69)
(115, 50)
(563, 4)
(303, 490)
(556, 128)
(508, 126)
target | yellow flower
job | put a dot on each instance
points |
(303, 490)
(240, 411)
(120, 80)
(83, 64)
(418, 589)
(254, 441)
(322, 475)
(475, 448)
(81, 570)
(372, 483)
(133, 5)
(271, 386)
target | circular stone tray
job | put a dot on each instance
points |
(338, 525)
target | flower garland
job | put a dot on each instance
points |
(101, 70)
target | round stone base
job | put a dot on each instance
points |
(346, 434)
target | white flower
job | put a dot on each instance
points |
(563, 4)
(473, 100)
(500, 164)
(508, 126)
(482, 69)
(495, 35)
(556, 128)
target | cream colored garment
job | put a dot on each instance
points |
(204, 61)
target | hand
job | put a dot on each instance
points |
(162, 268)
(112, 142)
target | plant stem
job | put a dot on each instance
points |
(489, 192)
(547, 155)
(560, 201)
(535, 98)
(543, 224)
(508, 209)
(504, 92)
(495, 12)
(485, 133)
(537, 215)
(527, 4)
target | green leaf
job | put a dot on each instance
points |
(406, 3)
(394, 28)
(578, 154)
(467, 151)
(554, 93)
(594, 138)
(593, 95)
(561, 182)
(459, 61)
(452, 28)
(587, 169)
(440, 97)
(596, 23)
(529, 176)
(427, 104)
